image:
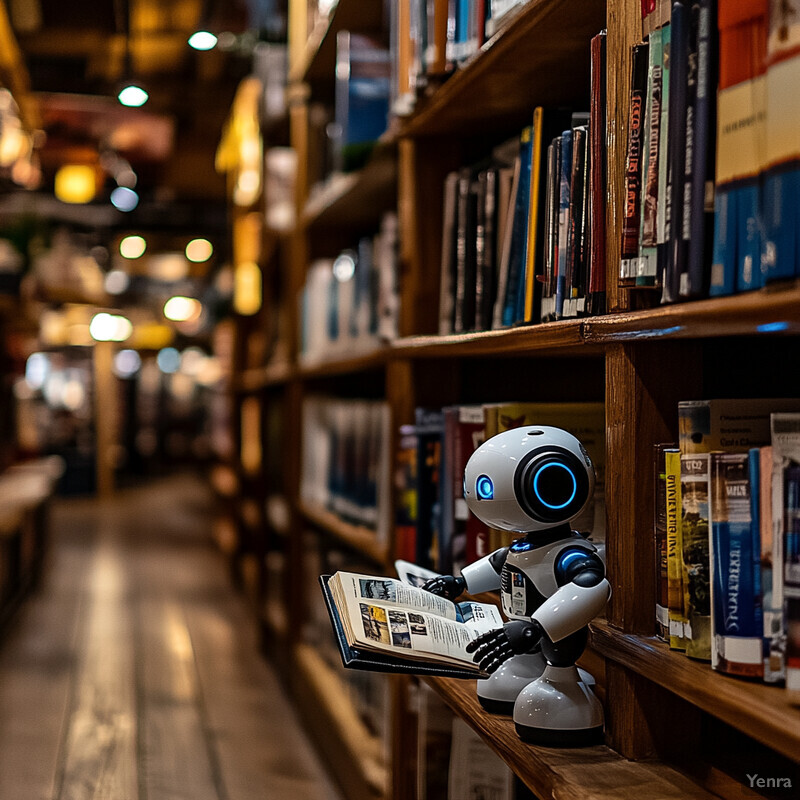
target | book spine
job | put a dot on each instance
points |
(675, 579)
(662, 226)
(536, 212)
(447, 279)
(551, 227)
(679, 60)
(596, 300)
(703, 159)
(633, 166)
(564, 254)
(791, 570)
(647, 272)
(660, 532)
(772, 616)
(735, 578)
(695, 501)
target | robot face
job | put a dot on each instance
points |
(528, 479)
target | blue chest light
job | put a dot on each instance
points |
(484, 488)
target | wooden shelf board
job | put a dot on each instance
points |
(364, 540)
(355, 754)
(774, 309)
(374, 359)
(561, 336)
(760, 711)
(514, 72)
(356, 199)
(319, 61)
(588, 772)
(257, 378)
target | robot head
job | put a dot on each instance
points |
(529, 479)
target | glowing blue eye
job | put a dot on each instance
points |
(556, 486)
(484, 487)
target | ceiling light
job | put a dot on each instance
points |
(182, 309)
(133, 95)
(110, 327)
(132, 247)
(124, 199)
(199, 250)
(202, 40)
(75, 183)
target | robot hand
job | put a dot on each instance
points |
(516, 637)
(445, 586)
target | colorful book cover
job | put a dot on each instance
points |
(633, 167)
(405, 483)
(647, 272)
(695, 549)
(781, 250)
(675, 582)
(772, 615)
(564, 213)
(662, 228)
(660, 550)
(735, 568)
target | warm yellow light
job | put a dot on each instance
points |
(110, 327)
(199, 250)
(75, 183)
(152, 336)
(247, 288)
(182, 309)
(132, 247)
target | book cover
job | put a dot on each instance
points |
(647, 267)
(548, 302)
(675, 576)
(382, 624)
(735, 568)
(663, 200)
(486, 247)
(596, 299)
(447, 281)
(785, 430)
(518, 245)
(466, 229)
(695, 553)
(703, 151)
(504, 265)
(782, 148)
(660, 537)
(772, 615)
(633, 167)
(564, 215)
(575, 283)
(429, 426)
(405, 484)
(674, 264)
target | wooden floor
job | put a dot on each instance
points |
(133, 673)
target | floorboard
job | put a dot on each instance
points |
(134, 672)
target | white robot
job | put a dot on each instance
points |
(534, 480)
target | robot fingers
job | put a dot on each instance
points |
(445, 586)
(491, 649)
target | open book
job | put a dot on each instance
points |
(386, 625)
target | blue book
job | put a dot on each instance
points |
(748, 249)
(563, 220)
(723, 259)
(737, 626)
(519, 231)
(779, 249)
(704, 147)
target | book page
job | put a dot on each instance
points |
(391, 592)
(413, 574)
(412, 634)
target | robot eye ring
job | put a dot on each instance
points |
(538, 475)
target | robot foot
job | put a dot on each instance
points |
(559, 710)
(505, 707)
(550, 737)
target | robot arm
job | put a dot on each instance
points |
(581, 597)
(482, 576)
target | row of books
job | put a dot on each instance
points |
(711, 176)
(434, 527)
(727, 555)
(523, 238)
(345, 459)
(350, 304)
(432, 38)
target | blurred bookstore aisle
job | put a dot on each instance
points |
(134, 670)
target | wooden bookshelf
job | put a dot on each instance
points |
(352, 752)
(640, 362)
(515, 71)
(587, 772)
(764, 712)
(364, 540)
